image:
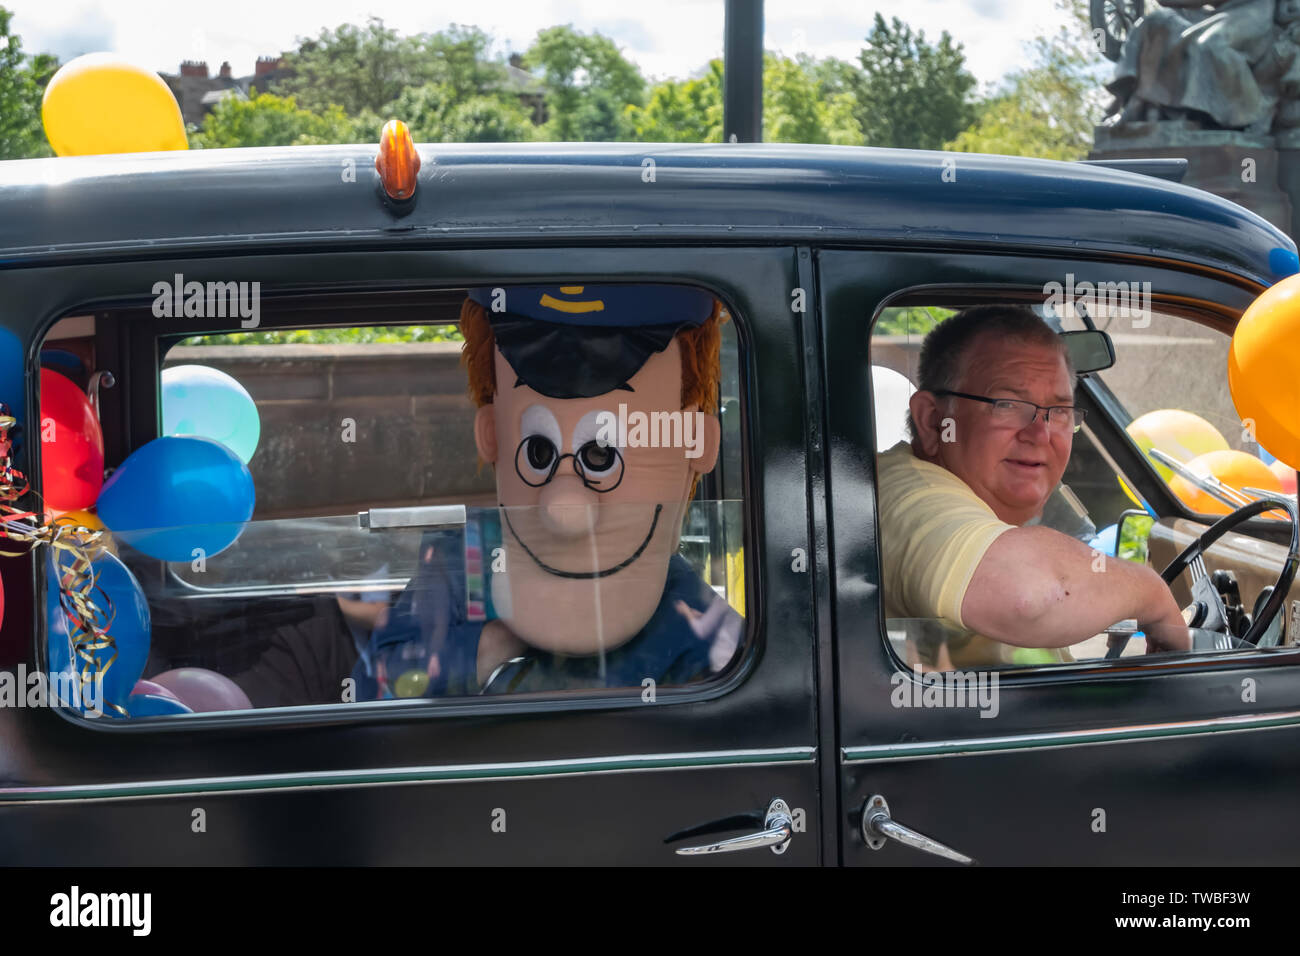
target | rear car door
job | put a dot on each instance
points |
(566, 779)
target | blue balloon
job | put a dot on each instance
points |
(1264, 455)
(130, 629)
(1282, 262)
(13, 381)
(152, 705)
(1105, 540)
(203, 401)
(64, 362)
(178, 498)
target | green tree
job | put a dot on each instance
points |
(802, 105)
(270, 120)
(1048, 109)
(681, 111)
(22, 84)
(436, 114)
(366, 68)
(910, 93)
(589, 86)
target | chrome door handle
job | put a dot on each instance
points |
(878, 828)
(778, 825)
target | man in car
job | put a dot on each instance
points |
(992, 424)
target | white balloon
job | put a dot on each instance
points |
(891, 393)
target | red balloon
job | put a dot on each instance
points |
(72, 446)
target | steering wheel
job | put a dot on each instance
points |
(1206, 595)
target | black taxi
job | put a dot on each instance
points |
(293, 721)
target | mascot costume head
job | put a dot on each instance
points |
(596, 407)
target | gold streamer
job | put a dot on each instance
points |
(88, 620)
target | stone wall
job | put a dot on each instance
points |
(414, 425)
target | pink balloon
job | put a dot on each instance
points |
(203, 690)
(149, 687)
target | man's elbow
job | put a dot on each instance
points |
(1023, 613)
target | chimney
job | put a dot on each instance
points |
(517, 61)
(266, 64)
(225, 70)
(197, 68)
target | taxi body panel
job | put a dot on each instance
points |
(808, 716)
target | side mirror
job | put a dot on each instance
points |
(1091, 350)
(1131, 536)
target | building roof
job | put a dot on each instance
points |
(129, 205)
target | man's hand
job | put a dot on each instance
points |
(1167, 633)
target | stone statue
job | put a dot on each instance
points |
(1217, 65)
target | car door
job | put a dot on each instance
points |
(1187, 761)
(568, 780)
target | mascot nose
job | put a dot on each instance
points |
(567, 507)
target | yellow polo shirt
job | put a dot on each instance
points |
(934, 531)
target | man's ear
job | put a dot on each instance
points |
(709, 436)
(927, 416)
(485, 432)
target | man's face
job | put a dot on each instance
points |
(1012, 469)
(586, 562)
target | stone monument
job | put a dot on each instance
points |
(1216, 82)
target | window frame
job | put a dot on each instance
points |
(1100, 402)
(136, 345)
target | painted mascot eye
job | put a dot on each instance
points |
(539, 453)
(597, 459)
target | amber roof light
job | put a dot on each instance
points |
(397, 162)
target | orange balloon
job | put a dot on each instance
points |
(1264, 369)
(1285, 474)
(1235, 468)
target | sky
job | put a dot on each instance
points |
(671, 38)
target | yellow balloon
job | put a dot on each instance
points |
(86, 519)
(1264, 369)
(1179, 434)
(1132, 495)
(99, 103)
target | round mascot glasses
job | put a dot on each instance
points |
(599, 466)
(1012, 412)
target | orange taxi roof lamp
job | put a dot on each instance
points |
(397, 162)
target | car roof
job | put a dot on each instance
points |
(301, 197)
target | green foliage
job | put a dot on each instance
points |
(681, 111)
(911, 320)
(1133, 534)
(270, 120)
(366, 68)
(588, 86)
(1048, 109)
(436, 115)
(370, 335)
(802, 105)
(911, 94)
(804, 101)
(22, 84)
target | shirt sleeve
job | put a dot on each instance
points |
(934, 533)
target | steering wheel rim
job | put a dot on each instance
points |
(1190, 557)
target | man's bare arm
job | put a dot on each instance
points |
(1036, 587)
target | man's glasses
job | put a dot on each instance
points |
(599, 466)
(1012, 412)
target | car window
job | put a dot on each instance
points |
(333, 514)
(1167, 389)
